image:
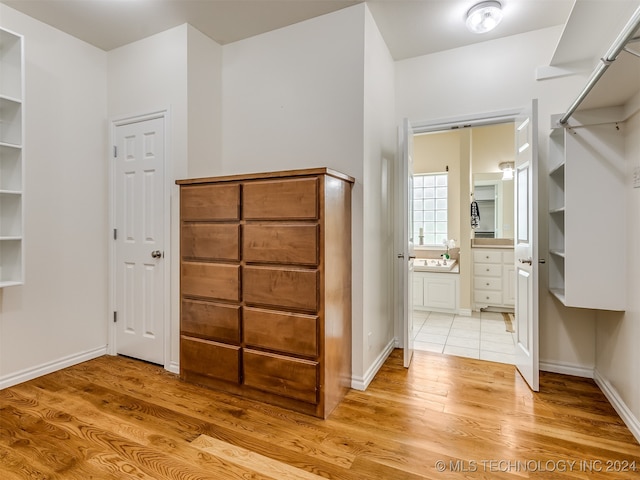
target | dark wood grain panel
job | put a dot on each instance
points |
(290, 244)
(281, 287)
(210, 202)
(285, 376)
(210, 241)
(209, 359)
(210, 320)
(281, 331)
(211, 280)
(281, 199)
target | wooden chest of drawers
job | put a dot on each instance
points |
(266, 286)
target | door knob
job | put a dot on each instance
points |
(528, 261)
(156, 254)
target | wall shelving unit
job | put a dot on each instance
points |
(11, 159)
(587, 215)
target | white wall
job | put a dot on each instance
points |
(380, 145)
(618, 333)
(60, 314)
(294, 98)
(494, 76)
(178, 70)
(204, 87)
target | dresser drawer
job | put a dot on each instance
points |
(211, 280)
(285, 376)
(487, 297)
(487, 270)
(210, 241)
(281, 287)
(281, 199)
(210, 320)
(209, 359)
(209, 202)
(285, 332)
(294, 244)
(487, 283)
(487, 256)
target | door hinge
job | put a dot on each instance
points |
(115, 233)
(115, 151)
(115, 317)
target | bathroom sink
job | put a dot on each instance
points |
(433, 265)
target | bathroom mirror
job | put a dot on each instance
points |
(493, 145)
(495, 202)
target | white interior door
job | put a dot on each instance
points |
(406, 256)
(526, 249)
(139, 239)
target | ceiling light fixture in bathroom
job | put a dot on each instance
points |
(484, 16)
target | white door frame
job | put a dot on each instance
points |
(443, 124)
(115, 122)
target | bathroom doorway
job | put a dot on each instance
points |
(481, 322)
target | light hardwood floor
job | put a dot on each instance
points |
(446, 417)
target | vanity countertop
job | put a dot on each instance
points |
(491, 243)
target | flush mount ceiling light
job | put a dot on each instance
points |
(507, 170)
(484, 16)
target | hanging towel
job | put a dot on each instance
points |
(475, 215)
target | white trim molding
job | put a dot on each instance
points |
(567, 369)
(50, 367)
(618, 404)
(361, 383)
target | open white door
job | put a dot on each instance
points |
(406, 256)
(526, 245)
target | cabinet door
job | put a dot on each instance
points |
(440, 291)
(418, 290)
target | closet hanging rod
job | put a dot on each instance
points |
(624, 37)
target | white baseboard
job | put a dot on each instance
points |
(35, 372)
(567, 369)
(173, 367)
(361, 383)
(618, 404)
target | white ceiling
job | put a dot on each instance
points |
(410, 27)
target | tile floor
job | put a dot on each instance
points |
(482, 336)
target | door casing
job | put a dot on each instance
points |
(444, 124)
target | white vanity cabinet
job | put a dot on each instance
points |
(436, 292)
(493, 278)
(11, 159)
(587, 231)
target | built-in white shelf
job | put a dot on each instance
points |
(11, 159)
(586, 190)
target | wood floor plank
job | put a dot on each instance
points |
(444, 418)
